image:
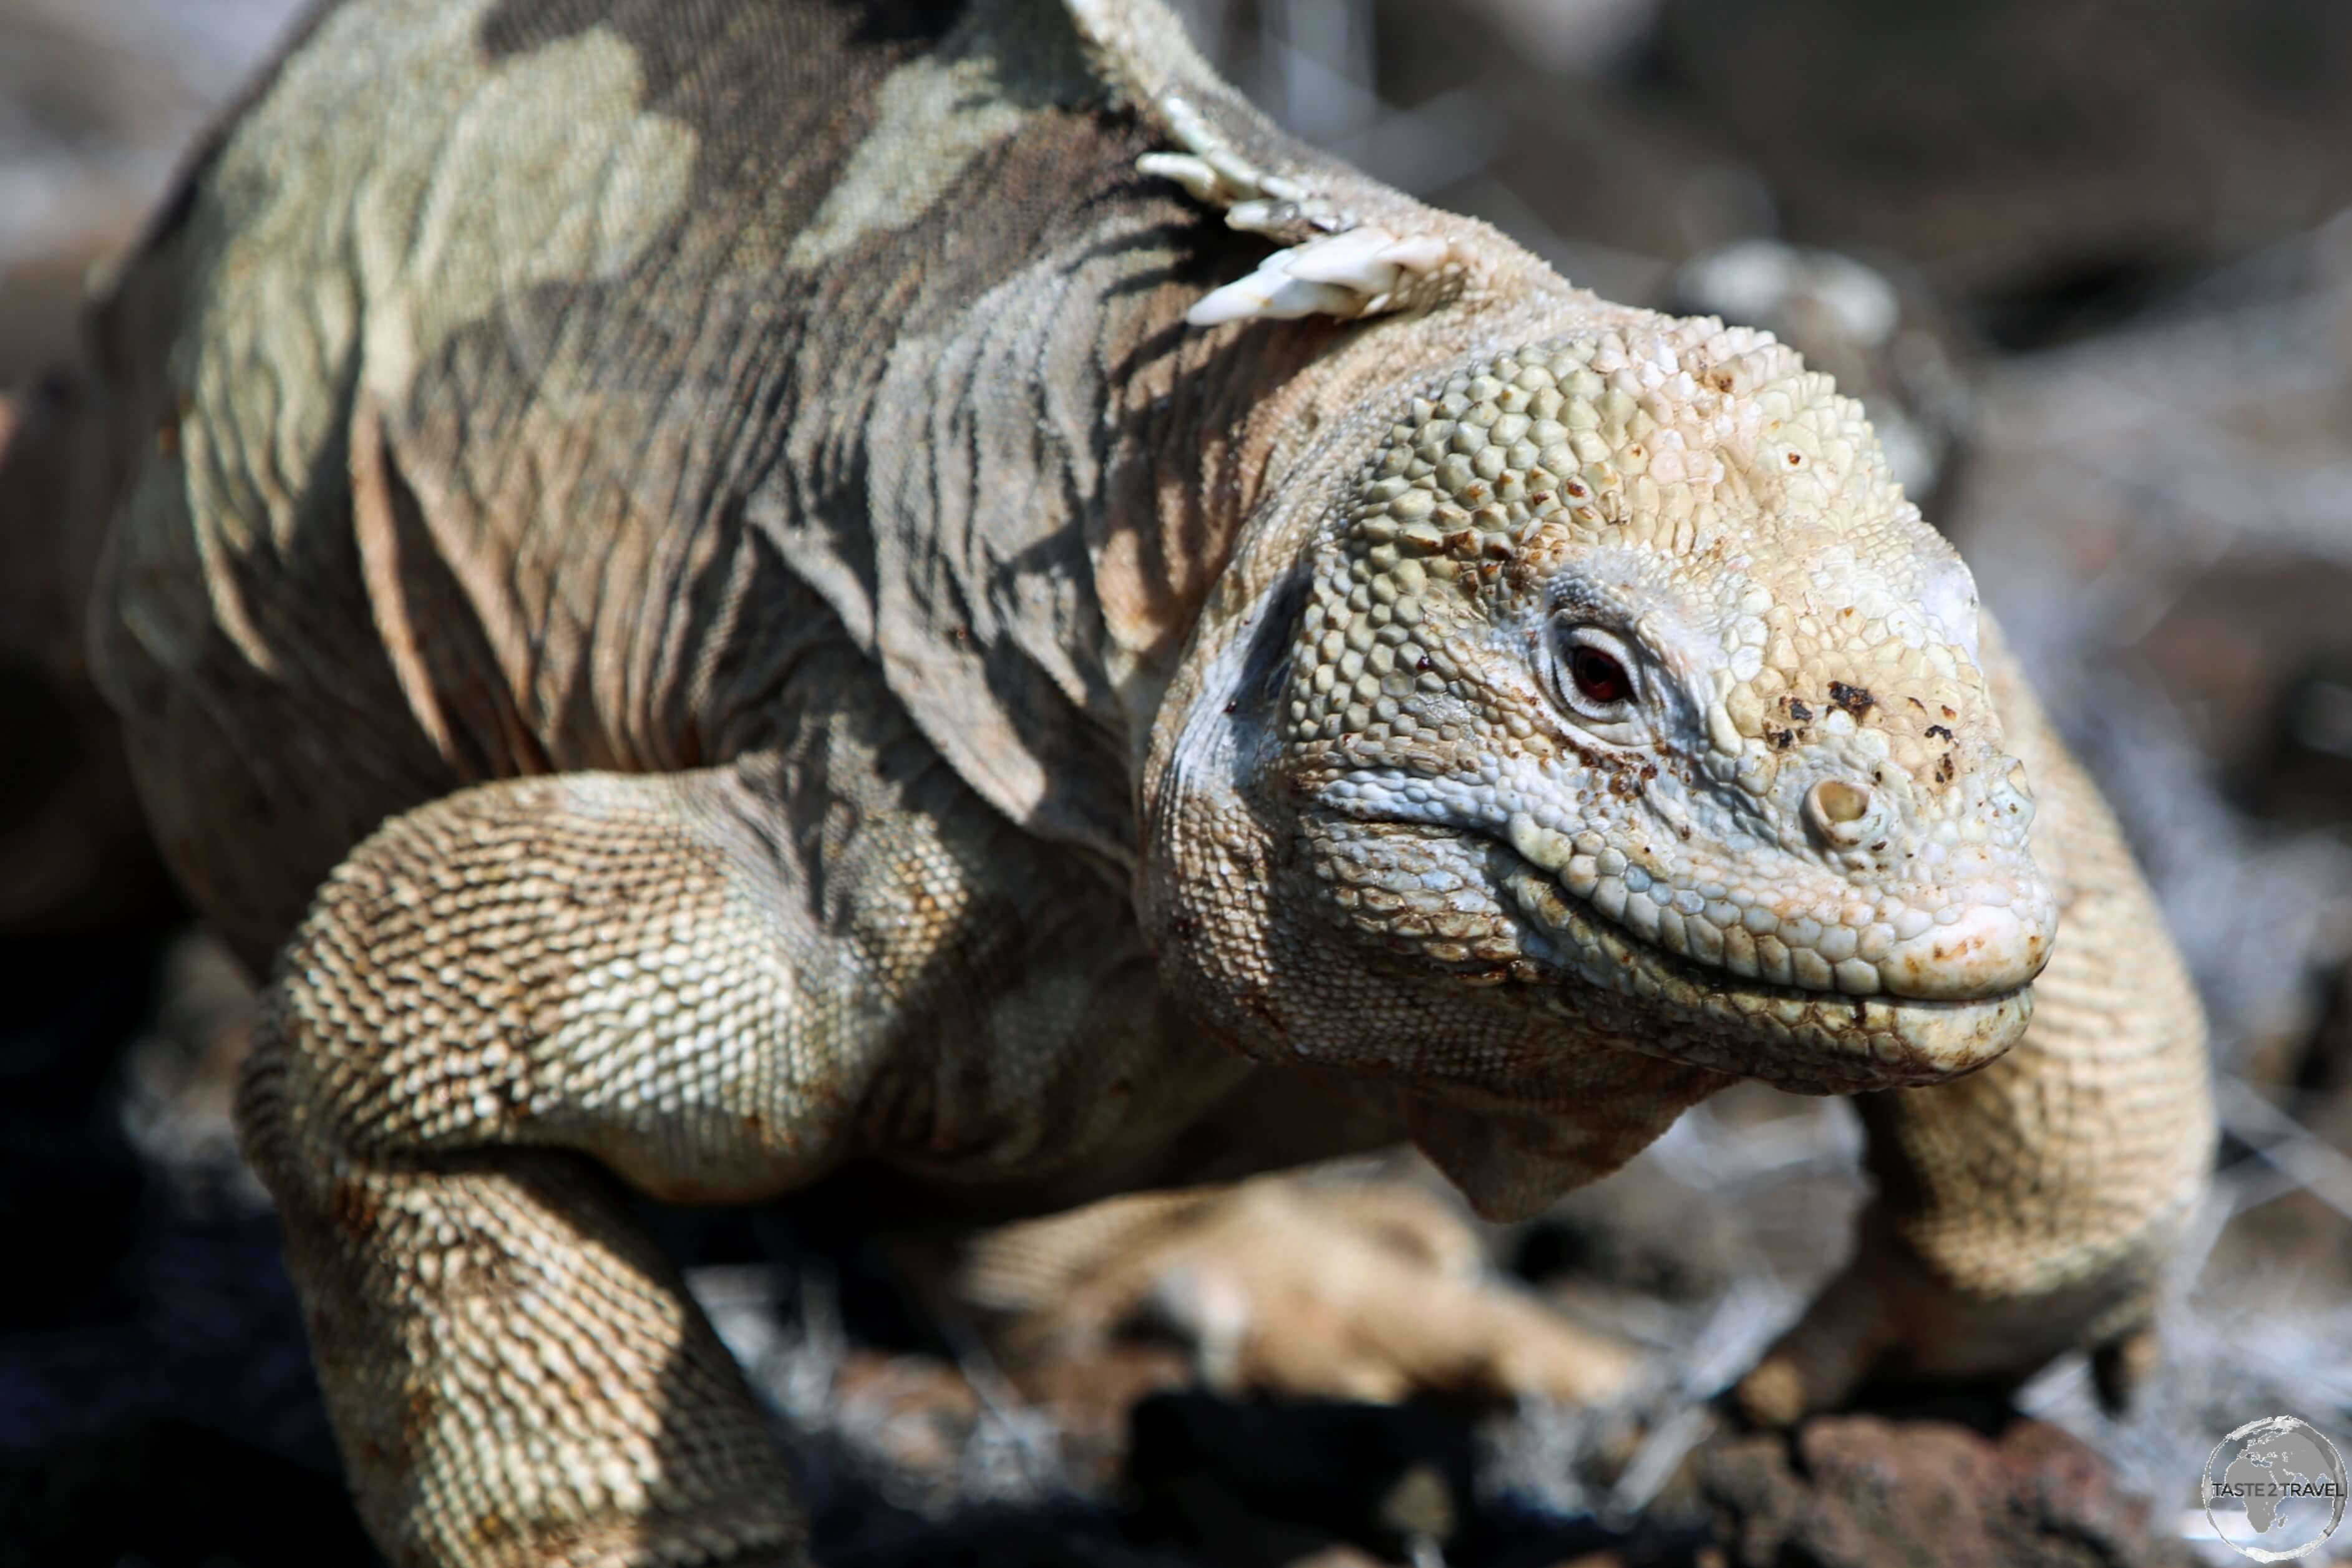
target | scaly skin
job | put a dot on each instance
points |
(702, 535)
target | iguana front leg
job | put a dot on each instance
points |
(487, 992)
(715, 986)
(2029, 1208)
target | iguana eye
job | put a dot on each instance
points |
(1599, 677)
(1595, 674)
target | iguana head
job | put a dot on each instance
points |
(1623, 682)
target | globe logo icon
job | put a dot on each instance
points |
(2275, 1490)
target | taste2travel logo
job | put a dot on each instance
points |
(2275, 1490)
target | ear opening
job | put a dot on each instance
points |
(1266, 662)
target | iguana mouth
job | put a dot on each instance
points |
(1983, 931)
(1809, 1041)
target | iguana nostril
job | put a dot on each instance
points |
(1834, 810)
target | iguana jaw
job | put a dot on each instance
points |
(1807, 1041)
(1481, 923)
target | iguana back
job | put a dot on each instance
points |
(545, 380)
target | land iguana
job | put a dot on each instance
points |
(911, 602)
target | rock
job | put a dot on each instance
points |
(1868, 1491)
(160, 1490)
(2048, 159)
(1260, 1482)
(70, 1186)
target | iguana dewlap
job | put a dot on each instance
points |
(914, 596)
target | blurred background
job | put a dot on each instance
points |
(2089, 263)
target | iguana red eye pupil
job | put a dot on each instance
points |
(1600, 678)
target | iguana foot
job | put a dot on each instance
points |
(1888, 1317)
(1214, 172)
(1300, 1286)
(1350, 267)
(1361, 272)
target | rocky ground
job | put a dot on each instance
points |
(2108, 311)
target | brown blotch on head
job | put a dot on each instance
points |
(1854, 700)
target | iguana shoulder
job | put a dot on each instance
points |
(582, 362)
